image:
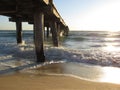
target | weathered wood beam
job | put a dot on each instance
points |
(19, 31)
(39, 35)
(54, 33)
(7, 3)
(57, 15)
(47, 32)
(46, 1)
(6, 12)
(8, 9)
(67, 30)
(58, 31)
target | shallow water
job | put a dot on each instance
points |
(89, 55)
(80, 71)
(96, 47)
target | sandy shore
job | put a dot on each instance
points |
(31, 82)
(45, 78)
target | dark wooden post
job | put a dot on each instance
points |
(19, 31)
(67, 28)
(39, 35)
(58, 31)
(44, 33)
(54, 33)
(47, 32)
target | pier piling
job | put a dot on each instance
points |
(58, 31)
(54, 33)
(47, 32)
(39, 35)
(40, 13)
(19, 31)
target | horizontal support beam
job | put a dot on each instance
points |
(6, 12)
(46, 1)
(7, 9)
(56, 13)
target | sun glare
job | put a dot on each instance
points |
(111, 75)
(111, 45)
(114, 30)
(111, 48)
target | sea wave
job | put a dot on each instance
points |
(96, 57)
(90, 56)
(79, 49)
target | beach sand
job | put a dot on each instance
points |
(44, 78)
(47, 82)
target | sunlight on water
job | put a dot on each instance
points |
(110, 39)
(111, 48)
(111, 75)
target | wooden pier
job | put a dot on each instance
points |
(40, 13)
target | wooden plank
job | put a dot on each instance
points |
(39, 35)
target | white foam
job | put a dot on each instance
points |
(26, 54)
(96, 57)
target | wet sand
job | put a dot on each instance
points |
(50, 77)
(29, 82)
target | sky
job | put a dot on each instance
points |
(82, 15)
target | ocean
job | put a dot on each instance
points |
(92, 48)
